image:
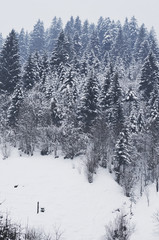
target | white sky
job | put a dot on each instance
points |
(25, 13)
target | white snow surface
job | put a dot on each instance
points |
(80, 209)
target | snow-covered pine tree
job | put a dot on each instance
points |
(10, 68)
(115, 111)
(37, 38)
(85, 35)
(29, 74)
(61, 54)
(13, 110)
(144, 50)
(124, 164)
(89, 103)
(149, 76)
(53, 34)
(23, 46)
(153, 42)
(133, 28)
(142, 36)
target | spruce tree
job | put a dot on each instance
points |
(13, 110)
(133, 28)
(53, 34)
(94, 45)
(29, 75)
(85, 35)
(61, 54)
(78, 25)
(37, 38)
(69, 28)
(149, 76)
(89, 108)
(115, 110)
(104, 96)
(77, 45)
(153, 42)
(23, 46)
(144, 50)
(142, 35)
(10, 64)
(124, 162)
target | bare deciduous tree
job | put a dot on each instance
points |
(120, 229)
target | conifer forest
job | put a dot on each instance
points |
(84, 89)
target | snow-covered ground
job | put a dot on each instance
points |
(80, 209)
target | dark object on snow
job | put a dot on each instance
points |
(44, 152)
(15, 186)
(42, 210)
(116, 210)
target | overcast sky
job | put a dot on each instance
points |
(25, 13)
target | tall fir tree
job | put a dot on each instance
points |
(115, 110)
(23, 46)
(53, 34)
(13, 110)
(37, 38)
(29, 74)
(61, 54)
(89, 103)
(153, 42)
(10, 68)
(142, 35)
(149, 76)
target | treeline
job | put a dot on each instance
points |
(84, 89)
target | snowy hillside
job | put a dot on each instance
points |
(81, 210)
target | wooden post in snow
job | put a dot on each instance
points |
(37, 207)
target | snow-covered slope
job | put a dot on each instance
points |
(81, 210)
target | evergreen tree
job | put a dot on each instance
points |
(124, 165)
(53, 34)
(78, 26)
(13, 110)
(133, 28)
(55, 116)
(89, 108)
(61, 54)
(120, 49)
(85, 35)
(105, 97)
(10, 64)
(29, 75)
(144, 50)
(94, 45)
(69, 28)
(84, 65)
(37, 39)
(23, 46)
(101, 29)
(115, 110)
(130, 101)
(140, 122)
(44, 68)
(142, 35)
(77, 45)
(153, 42)
(107, 42)
(149, 76)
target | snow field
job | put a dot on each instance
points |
(79, 209)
